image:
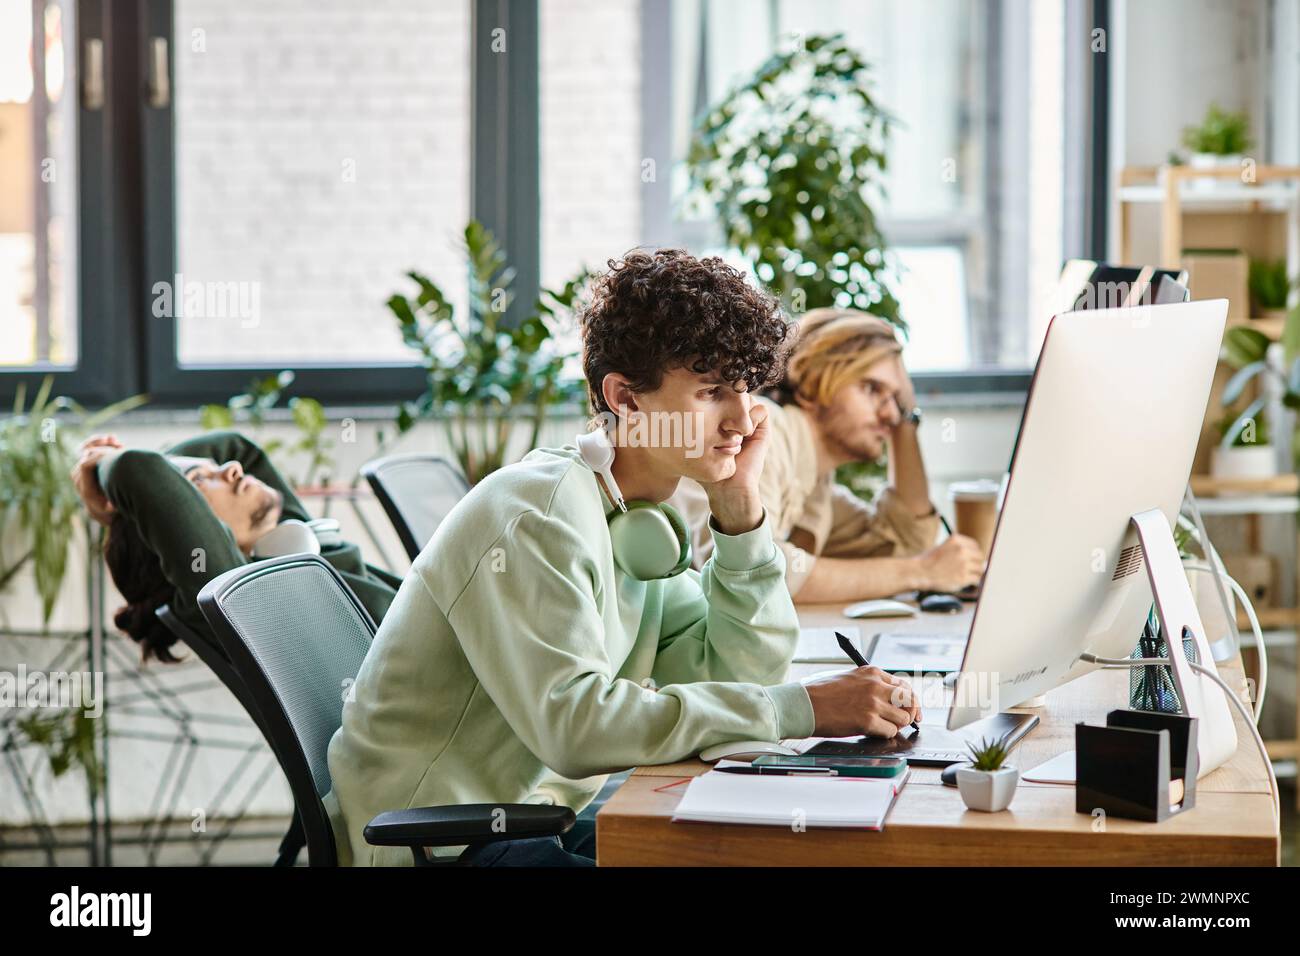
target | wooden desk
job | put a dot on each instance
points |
(1231, 824)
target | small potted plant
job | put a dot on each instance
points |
(1219, 140)
(1244, 450)
(988, 783)
(1270, 287)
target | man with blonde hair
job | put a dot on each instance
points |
(846, 398)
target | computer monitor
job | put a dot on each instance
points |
(1100, 285)
(1109, 431)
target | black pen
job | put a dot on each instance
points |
(847, 647)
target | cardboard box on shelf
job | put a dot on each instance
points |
(1256, 573)
(1214, 274)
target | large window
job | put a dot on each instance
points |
(321, 150)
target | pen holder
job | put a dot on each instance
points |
(1151, 687)
(1128, 767)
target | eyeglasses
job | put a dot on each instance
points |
(883, 396)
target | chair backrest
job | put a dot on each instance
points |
(296, 636)
(416, 492)
(211, 655)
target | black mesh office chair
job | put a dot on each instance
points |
(416, 492)
(220, 665)
(296, 636)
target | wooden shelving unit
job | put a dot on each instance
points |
(1215, 209)
(1222, 217)
(1208, 486)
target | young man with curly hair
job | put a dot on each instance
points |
(521, 662)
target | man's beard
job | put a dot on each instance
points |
(844, 439)
(273, 500)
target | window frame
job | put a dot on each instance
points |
(102, 244)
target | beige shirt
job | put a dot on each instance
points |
(834, 522)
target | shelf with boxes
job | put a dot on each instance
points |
(1236, 231)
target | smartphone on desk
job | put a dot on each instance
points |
(842, 766)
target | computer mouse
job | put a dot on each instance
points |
(949, 774)
(940, 604)
(744, 750)
(883, 608)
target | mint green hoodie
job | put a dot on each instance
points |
(512, 666)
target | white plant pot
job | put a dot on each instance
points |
(1244, 462)
(1212, 161)
(990, 791)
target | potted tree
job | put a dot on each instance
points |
(482, 372)
(791, 162)
(1219, 141)
(988, 783)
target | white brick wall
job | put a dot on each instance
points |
(272, 100)
(590, 54)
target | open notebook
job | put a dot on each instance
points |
(850, 802)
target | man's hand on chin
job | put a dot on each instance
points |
(734, 501)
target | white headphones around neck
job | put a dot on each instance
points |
(292, 536)
(650, 540)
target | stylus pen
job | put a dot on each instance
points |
(847, 647)
(782, 771)
(946, 526)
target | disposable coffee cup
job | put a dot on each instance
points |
(975, 506)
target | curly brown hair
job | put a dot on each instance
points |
(655, 311)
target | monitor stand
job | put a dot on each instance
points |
(1202, 698)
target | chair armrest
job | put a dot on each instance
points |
(468, 823)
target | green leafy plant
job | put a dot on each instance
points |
(1269, 283)
(1235, 430)
(989, 755)
(250, 407)
(866, 479)
(68, 738)
(37, 455)
(1221, 133)
(481, 370)
(1246, 350)
(792, 161)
